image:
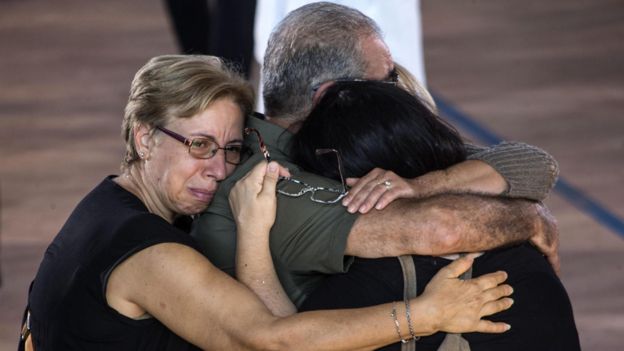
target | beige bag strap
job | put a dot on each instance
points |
(409, 290)
(452, 341)
(25, 335)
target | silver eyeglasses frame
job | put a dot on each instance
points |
(314, 190)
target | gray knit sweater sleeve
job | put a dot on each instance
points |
(529, 171)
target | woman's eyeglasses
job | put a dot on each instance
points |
(206, 147)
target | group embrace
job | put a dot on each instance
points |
(349, 217)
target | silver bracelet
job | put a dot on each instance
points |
(409, 320)
(396, 322)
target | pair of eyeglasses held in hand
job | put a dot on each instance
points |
(295, 188)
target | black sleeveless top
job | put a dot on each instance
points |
(68, 297)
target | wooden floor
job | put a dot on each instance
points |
(548, 73)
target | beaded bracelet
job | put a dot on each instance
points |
(396, 322)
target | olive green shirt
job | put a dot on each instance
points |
(308, 239)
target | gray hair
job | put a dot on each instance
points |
(311, 45)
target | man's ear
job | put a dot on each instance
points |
(320, 91)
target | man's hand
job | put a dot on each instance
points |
(546, 238)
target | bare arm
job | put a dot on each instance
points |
(441, 225)
(470, 176)
(179, 287)
(254, 205)
(511, 169)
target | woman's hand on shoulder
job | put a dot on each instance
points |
(377, 189)
(253, 200)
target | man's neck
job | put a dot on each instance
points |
(286, 123)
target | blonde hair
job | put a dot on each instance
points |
(179, 86)
(408, 82)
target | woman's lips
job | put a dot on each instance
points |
(202, 195)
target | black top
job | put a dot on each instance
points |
(541, 318)
(68, 298)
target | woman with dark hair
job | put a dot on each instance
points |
(379, 125)
(395, 132)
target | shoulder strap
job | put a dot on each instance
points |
(25, 340)
(409, 290)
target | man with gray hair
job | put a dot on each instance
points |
(315, 44)
(323, 42)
